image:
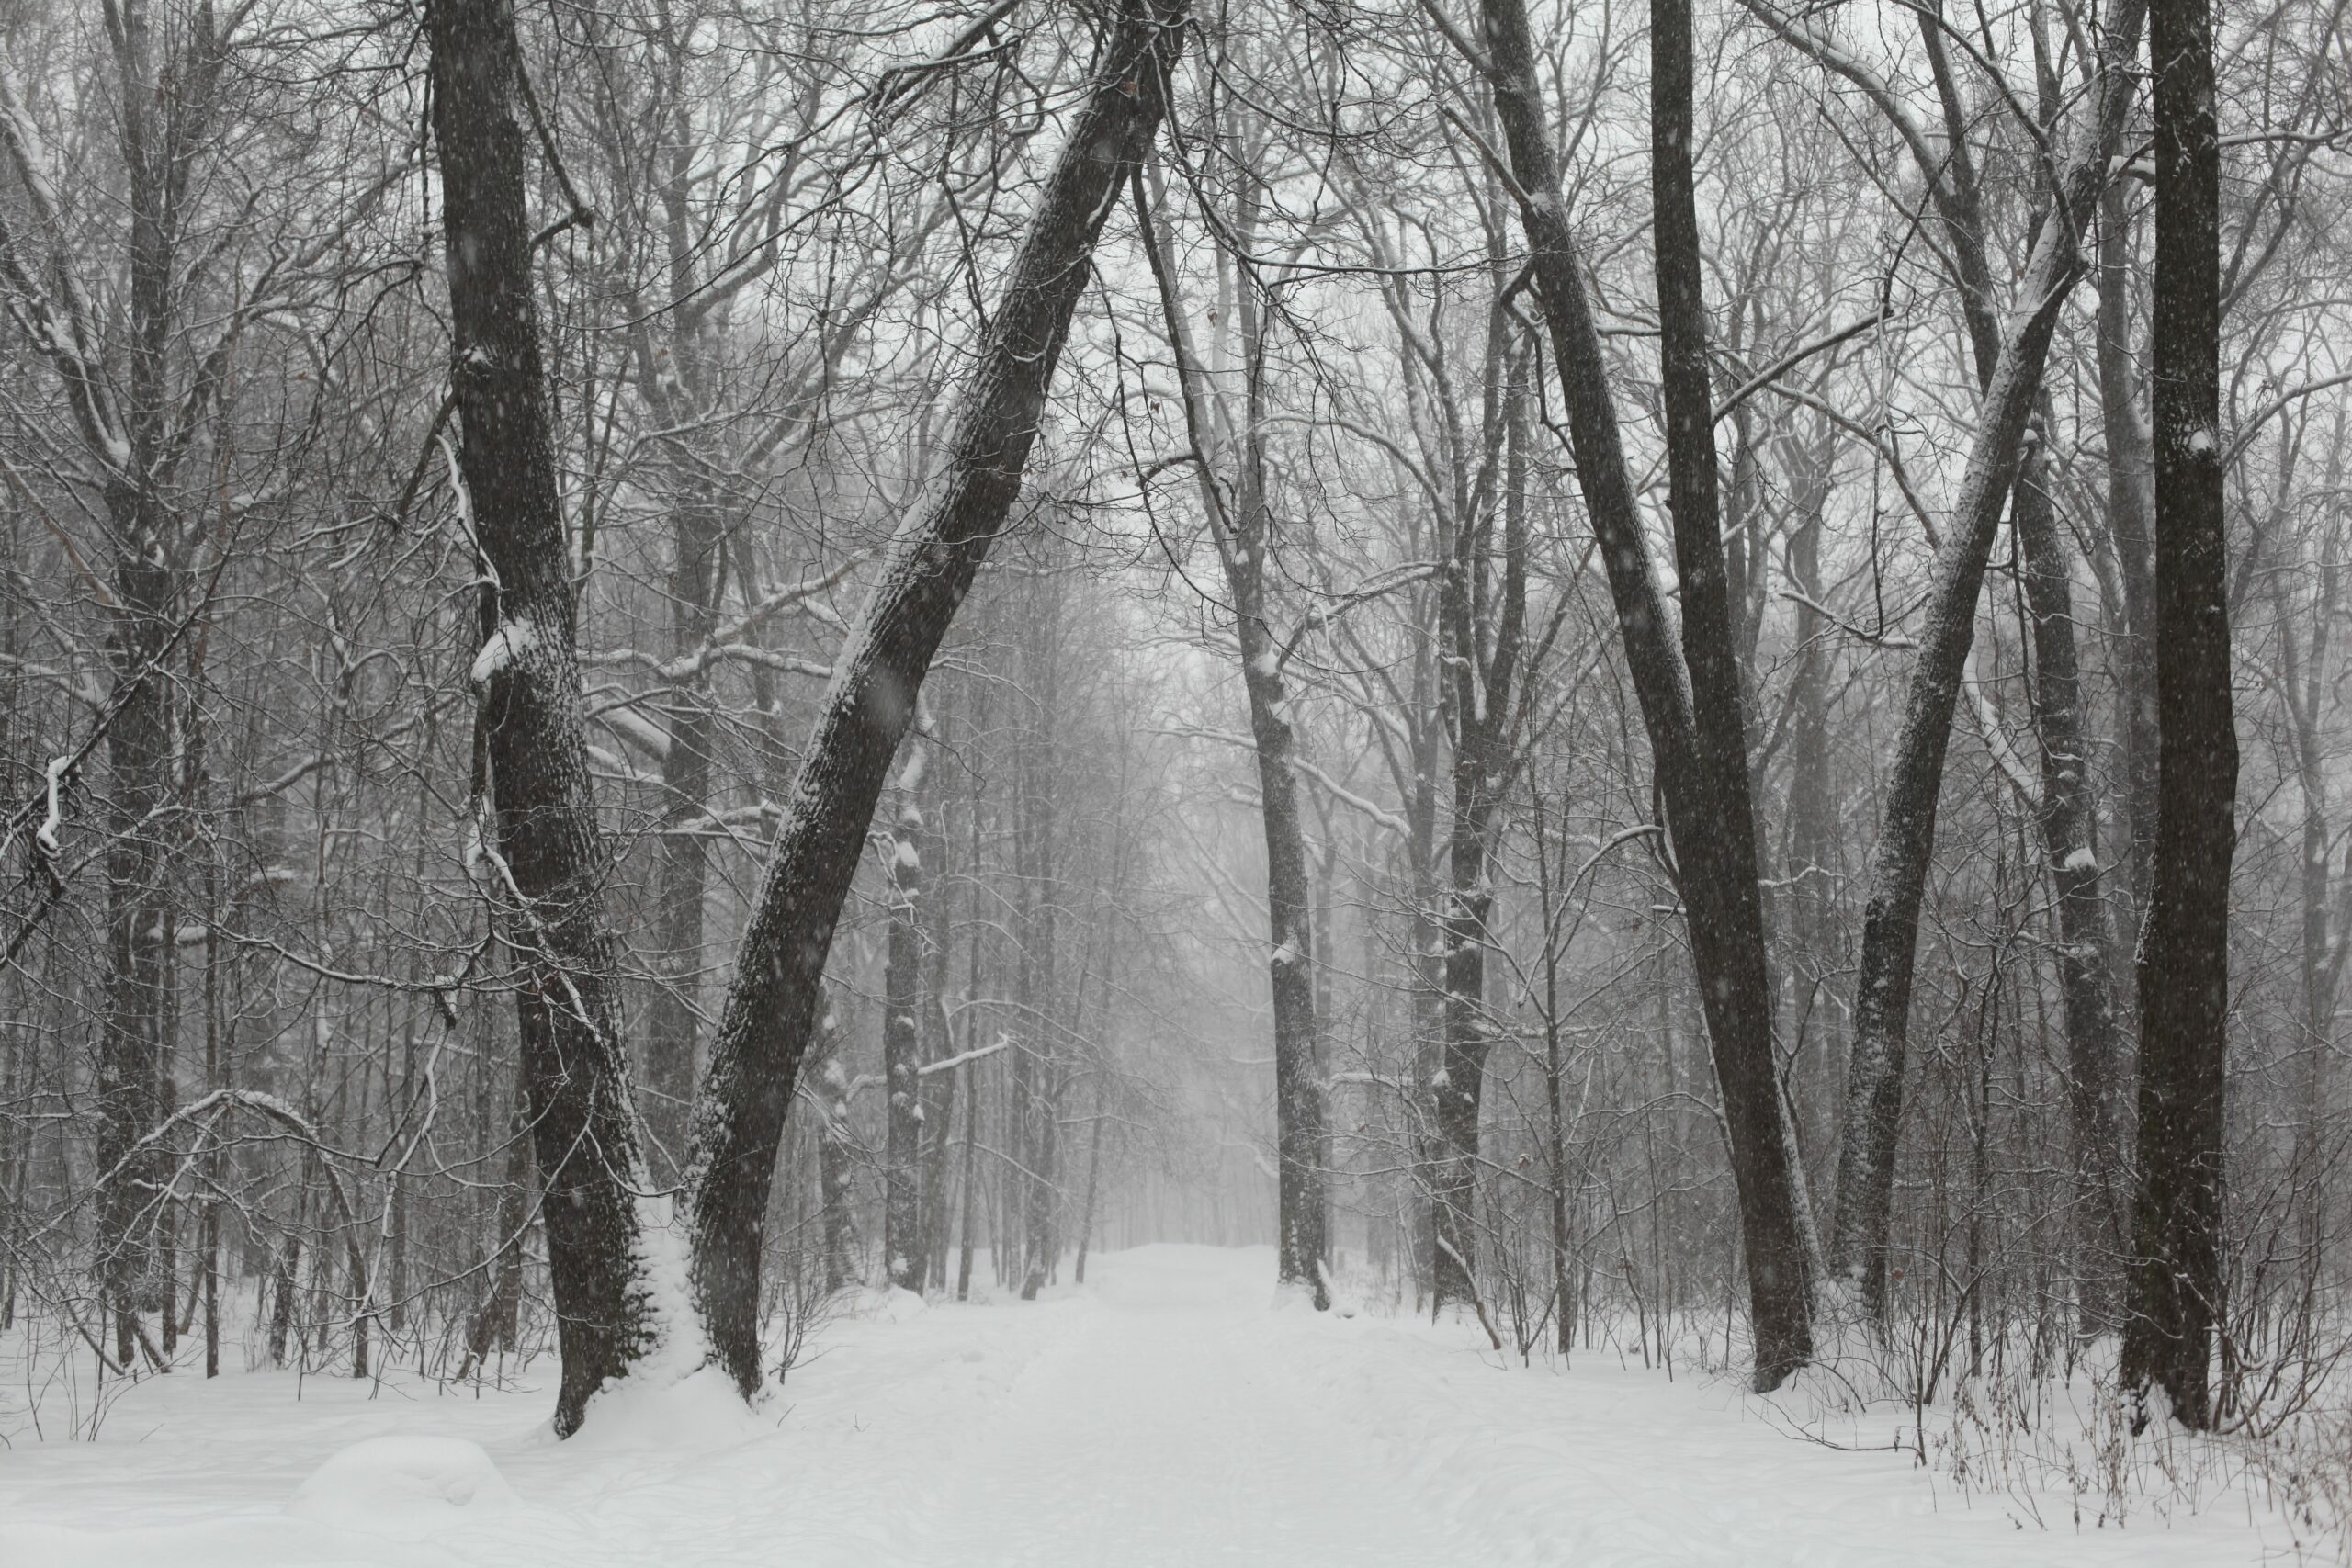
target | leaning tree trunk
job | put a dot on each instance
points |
(2175, 1275)
(1724, 913)
(1873, 1110)
(1710, 646)
(764, 1029)
(548, 860)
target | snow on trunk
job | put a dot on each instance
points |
(764, 1026)
(615, 1262)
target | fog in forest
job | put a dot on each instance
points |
(1085, 781)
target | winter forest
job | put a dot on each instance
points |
(1128, 780)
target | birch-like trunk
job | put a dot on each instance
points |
(902, 1035)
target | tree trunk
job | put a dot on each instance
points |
(1873, 1110)
(970, 1189)
(549, 860)
(1093, 1175)
(1711, 643)
(2175, 1275)
(2130, 511)
(904, 1251)
(1239, 512)
(1301, 1244)
(765, 1027)
(1479, 629)
(836, 1169)
(681, 866)
(2094, 1084)
(1038, 1062)
(937, 1093)
(130, 1081)
(1723, 915)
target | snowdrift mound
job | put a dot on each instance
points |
(649, 1412)
(405, 1487)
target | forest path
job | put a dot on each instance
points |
(1161, 1426)
(1170, 1414)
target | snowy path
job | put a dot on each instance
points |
(1163, 1416)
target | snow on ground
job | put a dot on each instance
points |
(1170, 1413)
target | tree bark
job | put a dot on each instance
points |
(2176, 1282)
(836, 1169)
(1873, 1112)
(549, 859)
(1239, 512)
(1724, 913)
(2130, 511)
(2068, 830)
(764, 1026)
(903, 1252)
(1480, 629)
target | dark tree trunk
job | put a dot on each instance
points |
(1723, 914)
(169, 93)
(765, 1027)
(969, 1186)
(1298, 1090)
(1426, 965)
(1552, 905)
(2174, 1294)
(1719, 727)
(130, 1075)
(549, 859)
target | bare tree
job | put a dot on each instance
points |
(2175, 1275)
(764, 1031)
(542, 843)
(1690, 753)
